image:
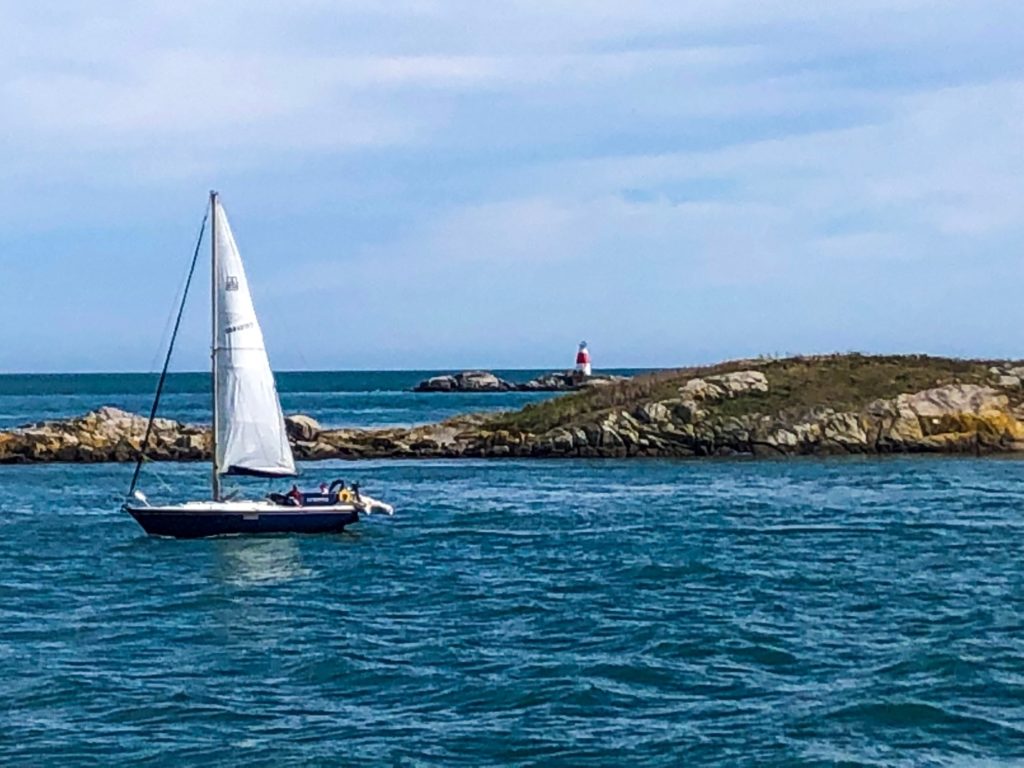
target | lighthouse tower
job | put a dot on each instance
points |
(583, 360)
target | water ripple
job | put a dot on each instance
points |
(516, 613)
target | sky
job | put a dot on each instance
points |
(449, 184)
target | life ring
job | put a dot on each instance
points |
(344, 496)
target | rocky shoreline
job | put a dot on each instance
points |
(733, 410)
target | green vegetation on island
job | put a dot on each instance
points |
(839, 381)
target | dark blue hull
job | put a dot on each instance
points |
(196, 524)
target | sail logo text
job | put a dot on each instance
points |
(242, 327)
(231, 284)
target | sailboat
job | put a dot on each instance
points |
(248, 436)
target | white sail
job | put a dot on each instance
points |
(251, 437)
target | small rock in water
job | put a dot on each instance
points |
(466, 381)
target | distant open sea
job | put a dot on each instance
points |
(335, 398)
(576, 613)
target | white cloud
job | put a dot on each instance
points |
(824, 216)
(462, 159)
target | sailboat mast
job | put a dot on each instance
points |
(213, 345)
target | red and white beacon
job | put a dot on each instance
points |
(583, 360)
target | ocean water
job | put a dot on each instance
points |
(335, 398)
(841, 612)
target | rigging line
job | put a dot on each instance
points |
(163, 336)
(170, 318)
(167, 359)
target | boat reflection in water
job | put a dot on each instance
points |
(260, 561)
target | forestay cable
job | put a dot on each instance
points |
(167, 360)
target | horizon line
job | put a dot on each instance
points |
(457, 369)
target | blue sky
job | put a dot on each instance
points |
(423, 183)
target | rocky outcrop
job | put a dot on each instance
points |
(467, 381)
(725, 385)
(567, 381)
(1009, 377)
(484, 381)
(554, 382)
(953, 418)
(302, 427)
(725, 414)
(107, 434)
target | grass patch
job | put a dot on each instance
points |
(842, 382)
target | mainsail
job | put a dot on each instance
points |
(251, 438)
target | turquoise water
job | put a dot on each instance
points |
(852, 612)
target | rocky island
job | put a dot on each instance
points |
(485, 381)
(816, 405)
